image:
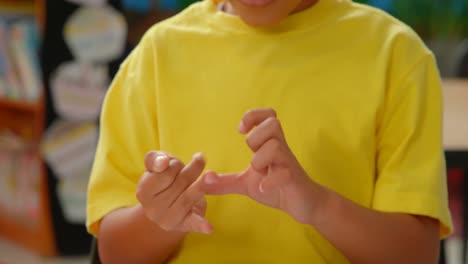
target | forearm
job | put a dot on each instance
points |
(368, 236)
(127, 236)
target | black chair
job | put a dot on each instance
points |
(462, 71)
(94, 253)
(443, 257)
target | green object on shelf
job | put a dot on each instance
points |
(433, 18)
(186, 3)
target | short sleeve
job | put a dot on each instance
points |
(411, 172)
(128, 130)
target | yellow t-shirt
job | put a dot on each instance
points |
(357, 92)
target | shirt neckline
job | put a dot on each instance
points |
(307, 19)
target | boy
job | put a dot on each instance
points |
(342, 159)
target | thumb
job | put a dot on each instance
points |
(195, 223)
(220, 184)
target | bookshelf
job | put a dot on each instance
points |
(27, 120)
(19, 106)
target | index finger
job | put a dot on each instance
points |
(254, 118)
(221, 184)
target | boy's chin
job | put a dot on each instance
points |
(259, 21)
(262, 17)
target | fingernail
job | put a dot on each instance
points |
(198, 217)
(205, 228)
(198, 156)
(210, 178)
(242, 127)
(173, 162)
(159, 162)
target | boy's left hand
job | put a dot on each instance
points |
(274, 177)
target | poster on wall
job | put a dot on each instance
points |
(69, 149)
(96, 34)
(69, 227)
(88, 2)
(72, 195)
(78, 90)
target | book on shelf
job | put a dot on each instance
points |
(20, 74)
(9, 80)
(8, 7)
(23, 45)
(20, 169)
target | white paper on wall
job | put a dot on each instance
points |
(96, 34)
(72, 195)
(88, 2)
(78, 90)
(69, 149)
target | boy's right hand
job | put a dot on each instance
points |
(171, 193)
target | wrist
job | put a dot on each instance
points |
(139, 213)
(320, 198)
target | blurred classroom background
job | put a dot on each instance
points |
(57, 58)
